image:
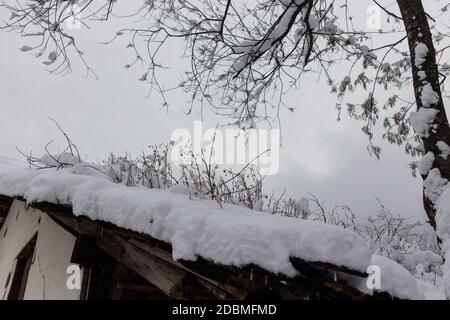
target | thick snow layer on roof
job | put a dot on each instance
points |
(396, 280)
(231, 235)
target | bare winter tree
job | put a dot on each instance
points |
(430, 121)
(245, 55)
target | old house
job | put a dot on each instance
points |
(136, 243)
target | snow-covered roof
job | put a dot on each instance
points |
(227, 235)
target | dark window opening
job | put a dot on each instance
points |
(105, 278)
(23, 264)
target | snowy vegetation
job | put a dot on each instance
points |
(410, 243)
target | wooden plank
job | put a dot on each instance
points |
(167, 277)
(163, 275)
(306, 266)
(220, 289)
(137, 287)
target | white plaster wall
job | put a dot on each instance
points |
(54, 246)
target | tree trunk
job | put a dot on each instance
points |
(425, 73)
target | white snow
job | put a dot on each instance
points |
(443, 214)
(444, 148)
(422, 121)
(231, 235)
(430, 291)
(420, 53)
(420, 261)
(396, 280)
(426, 163)
(63, 159)
(422, 75)
(445, 247)
(442, 205)
(428, 96)
(436, 188)
(434, 185)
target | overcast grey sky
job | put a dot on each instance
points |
(113, 114)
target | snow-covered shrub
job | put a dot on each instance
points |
(410, 243)
(121, 169)
(152, 170)
(200, 177)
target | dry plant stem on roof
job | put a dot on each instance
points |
(57, 160)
